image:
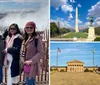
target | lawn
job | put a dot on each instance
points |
(65, 78)
(78, 35)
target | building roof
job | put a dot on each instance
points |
(58, 66)
(67, 66)
(75, 61)
(91, 66)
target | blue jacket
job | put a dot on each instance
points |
(15, 52)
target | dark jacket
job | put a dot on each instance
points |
(1, 53)
(15, 52)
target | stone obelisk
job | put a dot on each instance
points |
(76, 27)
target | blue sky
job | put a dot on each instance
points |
(64, 12)
(75, 51)
(23, 11)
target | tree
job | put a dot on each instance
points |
(97, 39)
(54, 30)
(86, 70)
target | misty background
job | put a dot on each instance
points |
(22, 11)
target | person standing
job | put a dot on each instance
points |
(12, 53)
(33, 53)
(1, 58)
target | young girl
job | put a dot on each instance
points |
(33, 53)
(12, 52)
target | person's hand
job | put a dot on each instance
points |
(4, 51)
(28, 62)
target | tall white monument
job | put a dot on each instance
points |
(76, 27)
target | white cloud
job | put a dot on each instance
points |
(79, 5)
(5, 10)
(87, 24)
(23, 0)
(79, 21)
(66, 8)
(39, 13)
(63, 23)
(95, 10)
(97, 21)
(70, 16)
(20, 7)
(52, 20)
(72, 1)
(57, 8)
(40, 17)
(57, 3)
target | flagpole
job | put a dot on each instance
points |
(93, 58)
(57, 58)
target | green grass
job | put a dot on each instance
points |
(78, 35)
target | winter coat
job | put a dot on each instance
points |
(15, 52)
(1, 53)
(34, 53)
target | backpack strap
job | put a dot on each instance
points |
(22, 50)
(36, 42)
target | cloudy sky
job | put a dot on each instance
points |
(64, 11)
(75, 51)
(22, 11)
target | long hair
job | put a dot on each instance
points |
(33, 35)
(34, 32)
(17, 29)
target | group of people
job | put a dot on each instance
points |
(12, 44)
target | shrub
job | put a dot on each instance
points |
(62, 70)
(55, 69)
(97, 39)
(51, 69)
(86, 70)
(98, 69)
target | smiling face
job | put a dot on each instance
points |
(29, 29)
(13, 29)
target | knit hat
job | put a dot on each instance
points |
(30, 23)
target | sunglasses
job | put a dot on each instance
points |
(12, 28)
(29, 27)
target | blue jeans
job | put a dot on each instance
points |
(30, 81)
(1, 74)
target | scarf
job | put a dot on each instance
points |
(9, 44)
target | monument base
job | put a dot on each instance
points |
(75, 39)
(91, 34)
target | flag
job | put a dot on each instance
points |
(59, 50)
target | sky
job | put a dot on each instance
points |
(64, 12)
(23, 11)
(74, 51)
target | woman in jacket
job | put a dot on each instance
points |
(12, 52)
(33, 53)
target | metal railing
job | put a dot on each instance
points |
(43, 79)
